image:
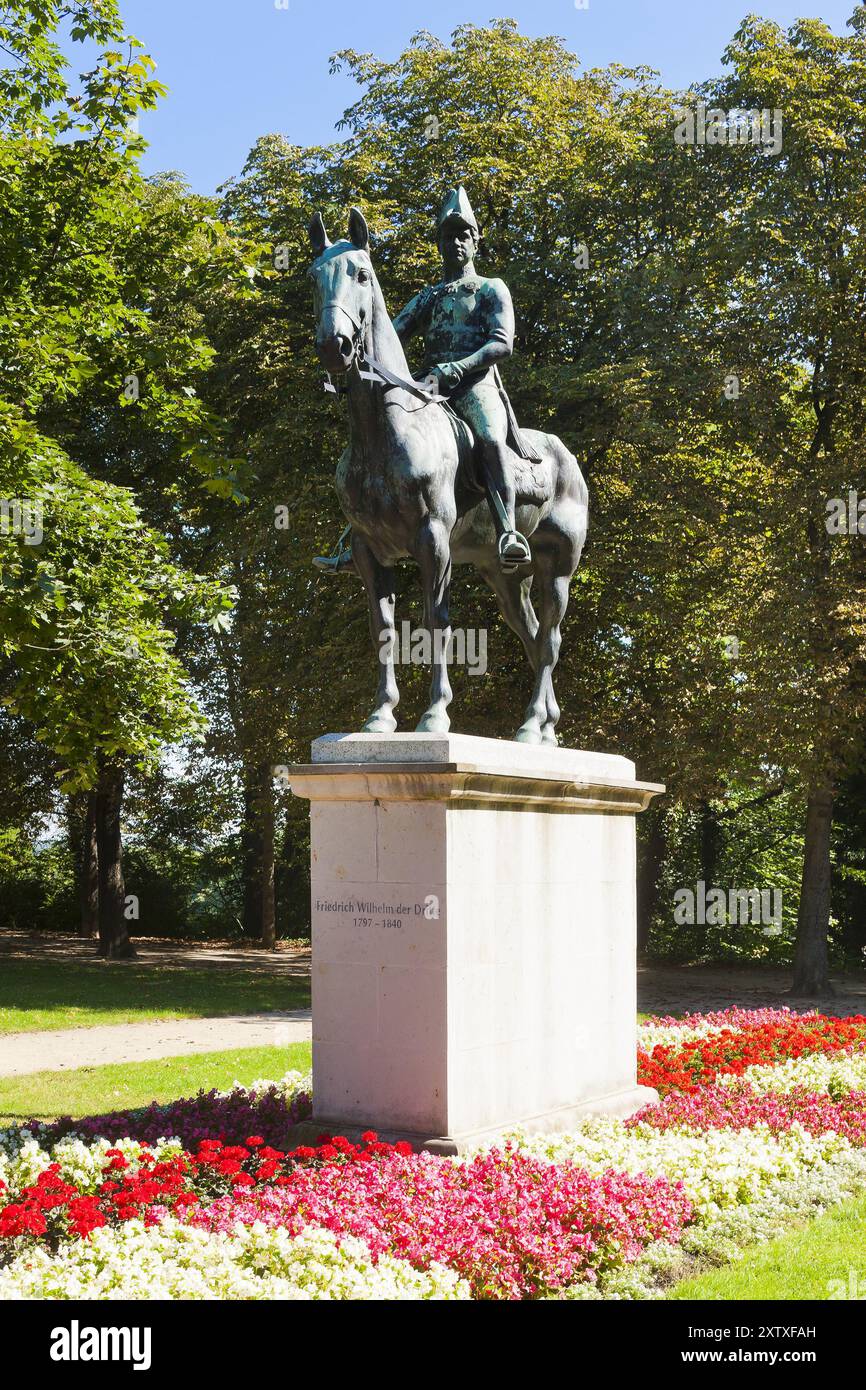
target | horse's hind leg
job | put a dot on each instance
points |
(432, 552)
(515, 605)
(379, 584)
(557, 545)
(542, 714)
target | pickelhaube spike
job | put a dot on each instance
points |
(456, 207)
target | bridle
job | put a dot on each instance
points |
(376, 373)
(356, 323)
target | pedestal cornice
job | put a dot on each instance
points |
(465, 770)
(467, 785)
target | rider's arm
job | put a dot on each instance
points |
(407, 321)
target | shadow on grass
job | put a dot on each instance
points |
(48, 994)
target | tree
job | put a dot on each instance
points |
(83, 626)
(84, 606)
(802, 305)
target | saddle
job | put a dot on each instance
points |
(531, 474)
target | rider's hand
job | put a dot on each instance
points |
(448, 374)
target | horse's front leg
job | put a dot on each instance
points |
(379, 584)
(433, 554)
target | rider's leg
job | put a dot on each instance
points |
(495, 456)
(513, 547)
(481, 407)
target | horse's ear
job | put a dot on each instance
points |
(318, 236)
(359, 232)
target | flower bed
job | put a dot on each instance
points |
(762, 1122)
(268, 1107)
(699, 1057)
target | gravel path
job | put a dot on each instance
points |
(69, 1048)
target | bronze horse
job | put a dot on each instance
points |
(408, 487)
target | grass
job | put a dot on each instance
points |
(46, 1095)
(36, 994)
(801, 1265)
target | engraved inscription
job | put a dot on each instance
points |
(384, 914)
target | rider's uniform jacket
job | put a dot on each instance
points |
(457, 318)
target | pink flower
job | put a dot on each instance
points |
(513, 1225)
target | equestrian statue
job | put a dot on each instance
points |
(437, 469)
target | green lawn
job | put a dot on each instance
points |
(802, 1265)
(45, 1095)
(38, 994)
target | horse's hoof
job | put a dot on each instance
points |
(548, 735)
(528, 733)
(433, 724)
(380, 724)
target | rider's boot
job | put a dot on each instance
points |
(512, 547)
(340, 561)
(335, 564)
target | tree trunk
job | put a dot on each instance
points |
(114, 942)
(710, 838)
(88, 877)
(82, 851)
(650, 858)
(258, 855)
(811, 964)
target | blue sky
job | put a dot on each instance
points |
(237, 69)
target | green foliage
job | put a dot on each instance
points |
(37, 890)
(93, 667)
(733, 844)
(86, 254)
(715, 631)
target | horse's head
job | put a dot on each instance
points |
(343, 278)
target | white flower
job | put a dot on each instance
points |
(176, 1261)
(834, 1075)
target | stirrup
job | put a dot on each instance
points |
(513, 550)
(340, 560)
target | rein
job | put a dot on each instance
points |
(389, 378)
(378, 373)
(383, 376)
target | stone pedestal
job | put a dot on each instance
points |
(473, 908)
